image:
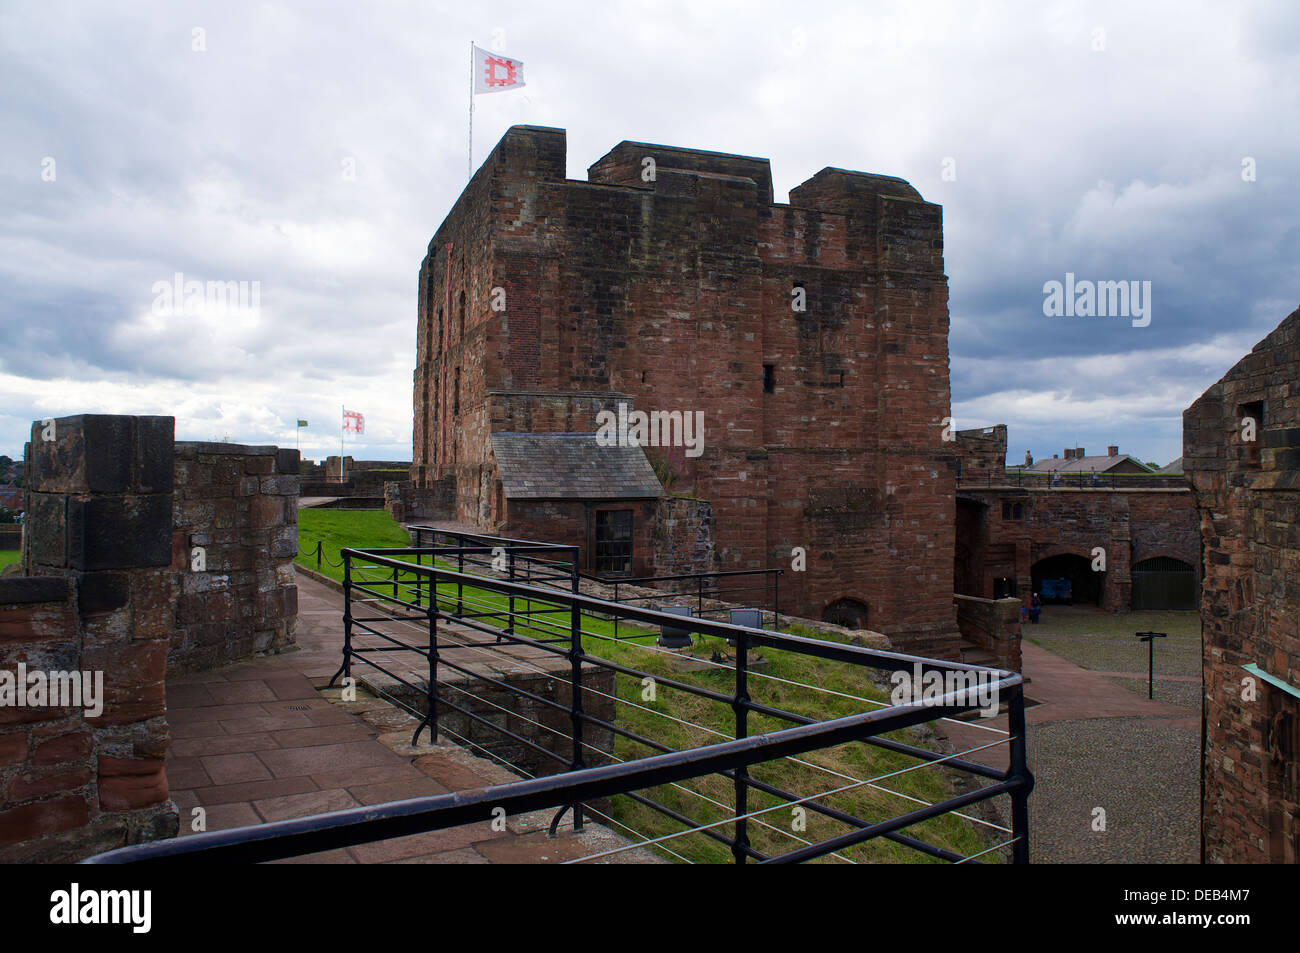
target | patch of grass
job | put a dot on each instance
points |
(341, 529)
(678, 719)
(8, 556)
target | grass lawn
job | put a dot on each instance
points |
(339, 529)
(8, 556)
(661, 719)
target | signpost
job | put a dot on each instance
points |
(1150, 639)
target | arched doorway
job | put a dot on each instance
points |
(1067, 579)
(850, 613)
(1164, 583)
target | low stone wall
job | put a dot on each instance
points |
(993, 625)
(407, 503)
(73, 785)
(239, 505)
(11, 536)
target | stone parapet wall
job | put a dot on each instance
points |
(993, 625)
(97, 597)
(239, 505)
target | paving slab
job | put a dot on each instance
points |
(263, 740)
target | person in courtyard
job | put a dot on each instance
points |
(1035, 609)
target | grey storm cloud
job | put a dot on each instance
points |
(1093, 139)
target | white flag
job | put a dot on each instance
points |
(353, 422)
(494, 73)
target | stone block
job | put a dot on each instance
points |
(128, 784)
(99, 592)
(31, 821)
(120, 532)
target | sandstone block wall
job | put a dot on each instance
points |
(1248, 501)
(1128, 525)
(98, 597)
(994, 625)
(239, 504)
(823, 425)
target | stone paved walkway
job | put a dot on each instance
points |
(1093, 744)
(258, 741)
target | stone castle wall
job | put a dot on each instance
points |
(116, 510)
(239, 504)
(1248, 500)
(98, 597)
(822, 426)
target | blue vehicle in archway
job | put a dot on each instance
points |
(1057, 590)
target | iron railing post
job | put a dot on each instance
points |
(346, 668)
(1019, 768)
(575, 693)
(616, 614)
(460, 568)
(776, 600)
(320, 544)
(431, 690)
(740, 704)
(510, 618)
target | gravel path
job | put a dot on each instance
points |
(1143, 773)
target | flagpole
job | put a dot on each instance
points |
(342, 425)
(469, 164)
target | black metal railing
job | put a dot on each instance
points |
(991, 477)
(555, 564)
(727, 586)
(391, 593)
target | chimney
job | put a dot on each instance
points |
(1112, 451)
(1029, 460)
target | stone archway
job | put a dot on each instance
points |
(1085, 585)
(848, 612)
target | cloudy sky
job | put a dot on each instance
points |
(313, 148)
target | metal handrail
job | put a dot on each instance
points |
(413, 598)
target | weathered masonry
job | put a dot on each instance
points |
(1241, 451)
(143, 557)
(811, 339)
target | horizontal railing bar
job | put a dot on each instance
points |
(832, 651)
(895, 823)
(278, 839)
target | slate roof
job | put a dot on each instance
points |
(571, 466)
(1175, 467)
(1100, 463)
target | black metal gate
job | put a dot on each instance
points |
(1164, 583)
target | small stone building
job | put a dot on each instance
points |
(1241, 452)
